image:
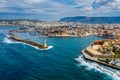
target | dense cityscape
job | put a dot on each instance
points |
(54, 29)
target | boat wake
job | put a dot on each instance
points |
(115, 74)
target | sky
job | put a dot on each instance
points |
(51, 10)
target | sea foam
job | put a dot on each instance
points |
(8, 41)
(115, 74)
(49, 47)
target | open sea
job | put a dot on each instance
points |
(63, 60)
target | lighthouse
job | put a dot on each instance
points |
(45, 44)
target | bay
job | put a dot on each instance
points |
(19, 61)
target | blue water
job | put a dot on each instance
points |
(19, 61)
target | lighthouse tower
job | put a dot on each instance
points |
(45, 44)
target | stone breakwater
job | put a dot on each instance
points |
(29, 42)
(16, 38)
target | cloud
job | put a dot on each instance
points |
(55, 9)
(99, 3)
(34, 1)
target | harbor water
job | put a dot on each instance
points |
(63, 60)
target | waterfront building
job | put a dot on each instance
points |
(96, 54)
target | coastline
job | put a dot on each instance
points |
(88, 57)
(55, 36)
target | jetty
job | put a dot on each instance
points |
(102, 61)
(41, 46)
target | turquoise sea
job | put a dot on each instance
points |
(62, 61)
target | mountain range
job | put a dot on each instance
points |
(84, 19)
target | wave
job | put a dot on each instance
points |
(115, 74)
(49, 47)
(6, 40)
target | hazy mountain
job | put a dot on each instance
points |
(84, 19)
